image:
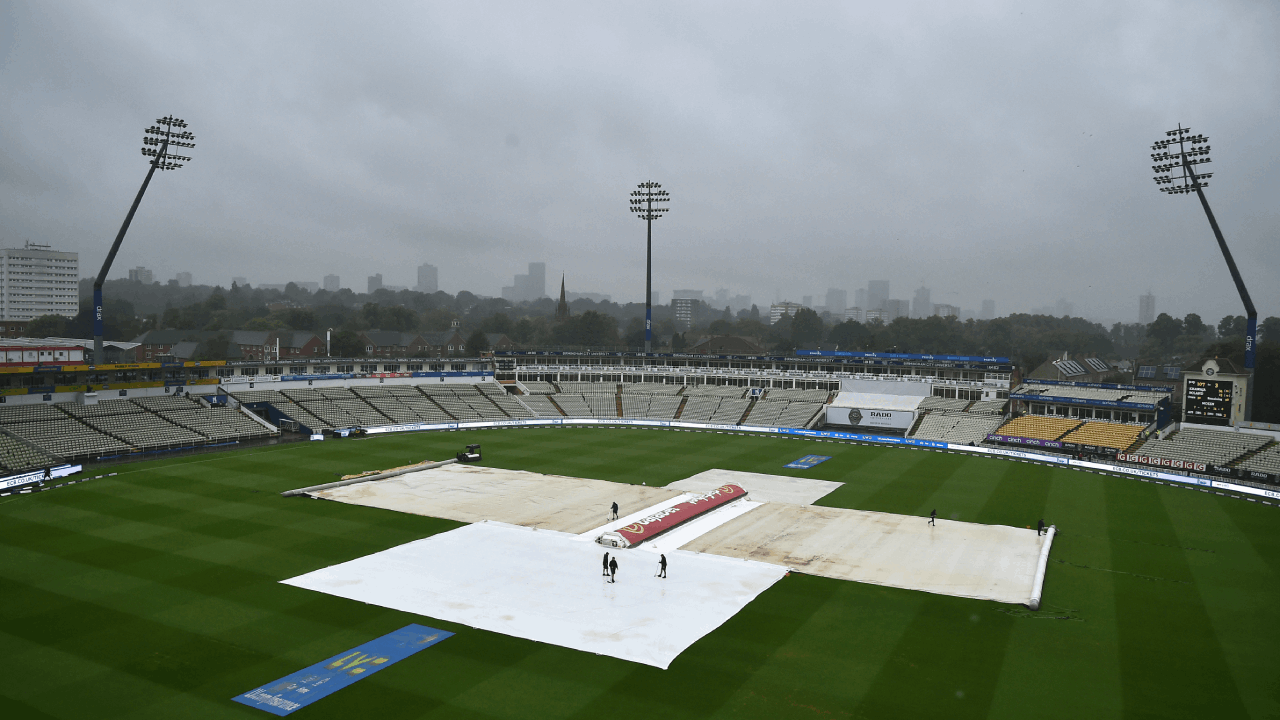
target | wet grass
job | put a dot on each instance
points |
(155, 593)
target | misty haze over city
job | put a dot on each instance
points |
(999, 153)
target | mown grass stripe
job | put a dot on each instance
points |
(1171, 663)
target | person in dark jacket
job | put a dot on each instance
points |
(615, 511)
(1040, 528)
(613, 569)
(662, 566)
(606, 564)
(933, 516)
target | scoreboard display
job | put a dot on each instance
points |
(1208, 401)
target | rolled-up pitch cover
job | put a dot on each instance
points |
(649, 527)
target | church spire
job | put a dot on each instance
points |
(562, 310)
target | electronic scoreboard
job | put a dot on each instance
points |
(1208, 401)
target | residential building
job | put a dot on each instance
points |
(778, 309)
(184, 279)
(922, 305)
(253, 344)
(375, 283)
(297, 345)
(1147, 308)
(877, 294)
(13, 328)
(945, 310)
(685, 310)
(837, 302)
(142, 275)
(332, 283)
(428, 278)
(154, 343)
(895, 309)
(443, 343)
(528, 287)
(853, 313)
(35, 281)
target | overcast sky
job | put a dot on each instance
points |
(985, 150)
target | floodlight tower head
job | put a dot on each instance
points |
(1178, 152)
(168, 132)
(649, 201)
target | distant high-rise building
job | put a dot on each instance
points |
(35, 281)
(988, 309)
(528, 287)
(778, 309)
(853, 313)
(1064, 308)
(807, 301)
(837, 302)
(142, 275)
(428, 278)
(945, 310)
(894, 309)
(375, 282)
(239, 281)
(877, 294)
(860, 298)
(722, 297)
(332, 283)
(1147, 308)
(184, 279)
(654, 298)
(922, 305)
(685, 310)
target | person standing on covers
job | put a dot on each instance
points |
(662, 566)
(1040, 528)
(606, 564)
(48, 473)
(613, 569)
(615, 511)
(933, 516)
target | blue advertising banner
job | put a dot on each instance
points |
(304, 687)
(807, 461)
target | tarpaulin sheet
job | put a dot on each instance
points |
(547, 586)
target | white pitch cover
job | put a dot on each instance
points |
(547, 586)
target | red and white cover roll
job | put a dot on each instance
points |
(651, 526)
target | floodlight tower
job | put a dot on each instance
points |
(1182, 151)
(168, 131)
(649, 202)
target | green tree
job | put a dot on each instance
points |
(497, 323)
(1165, 328)
(477, 343)
(1232, 326)
(214, 347)
(1193, 325)
(806, 327)
(346, 343)
(849, 335)
(1270, 330)
(47, 326)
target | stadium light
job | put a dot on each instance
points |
(1181, 151)
(649, 202)
(168, 131)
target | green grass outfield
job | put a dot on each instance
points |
(154, 594)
